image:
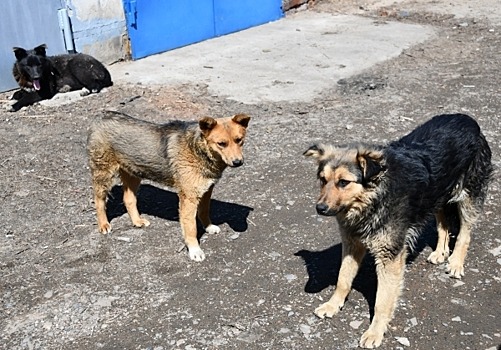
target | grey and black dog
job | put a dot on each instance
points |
(41, 77)
(382, 196)
(189, 156)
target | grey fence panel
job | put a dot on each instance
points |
(27, 23)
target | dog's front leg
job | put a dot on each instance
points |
(26, 100)
(353, 254)
(188, 204)
(204, 213)
(390, 276)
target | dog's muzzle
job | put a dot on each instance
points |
(323, 209)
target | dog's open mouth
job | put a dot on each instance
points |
(36, 84)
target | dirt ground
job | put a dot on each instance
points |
(65, 286)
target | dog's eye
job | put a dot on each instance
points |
(238, 141)
(222, 144)
(323, 180)
(343, 183)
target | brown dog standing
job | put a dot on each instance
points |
(188, 156)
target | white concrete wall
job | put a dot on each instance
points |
(99, 28)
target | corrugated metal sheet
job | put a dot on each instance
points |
(27, 23)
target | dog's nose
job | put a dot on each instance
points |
(322, 208)
(237, 162)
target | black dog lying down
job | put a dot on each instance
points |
(41, 77)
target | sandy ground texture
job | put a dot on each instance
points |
(65, 286)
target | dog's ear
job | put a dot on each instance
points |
(206, 124)
(40, 50)
(315, 151)
(371, 163)
(20, 53)
(242, 119)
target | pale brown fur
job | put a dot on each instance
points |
(190, 157)
(353, 197)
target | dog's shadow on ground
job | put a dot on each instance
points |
(164, 204)
(323, 267)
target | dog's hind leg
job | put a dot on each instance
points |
(353, 253)
(390, 276)
(467, 217)
(441, 252)
(130, 185)
(188, 205)
(204, 213)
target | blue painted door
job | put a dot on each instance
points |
(234, 15)
(156, 26)
(159, 25)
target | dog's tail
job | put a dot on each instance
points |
(476, 179)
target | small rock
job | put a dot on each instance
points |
(274, 255)
(456, 319)
(290, 277)
(21, 193)
(413, 322)
(495, 251)
(355, 324)
(403, 340)
(458, 284)
(104, 301)
(248, 337)
(235, 236)
(48, 295)
(305, 329)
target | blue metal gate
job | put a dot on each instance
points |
(159, 25)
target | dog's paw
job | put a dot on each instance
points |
(65, 88)
(141, 223)
(9, 107)
(437, 257)
(212, 229)
(84, 92)
(371, 339)
(455, 267)
(327, 309)
(196, 254)
(105, 228)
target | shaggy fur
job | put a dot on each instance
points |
(41, 77)
(382, 196)
(188, 156)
